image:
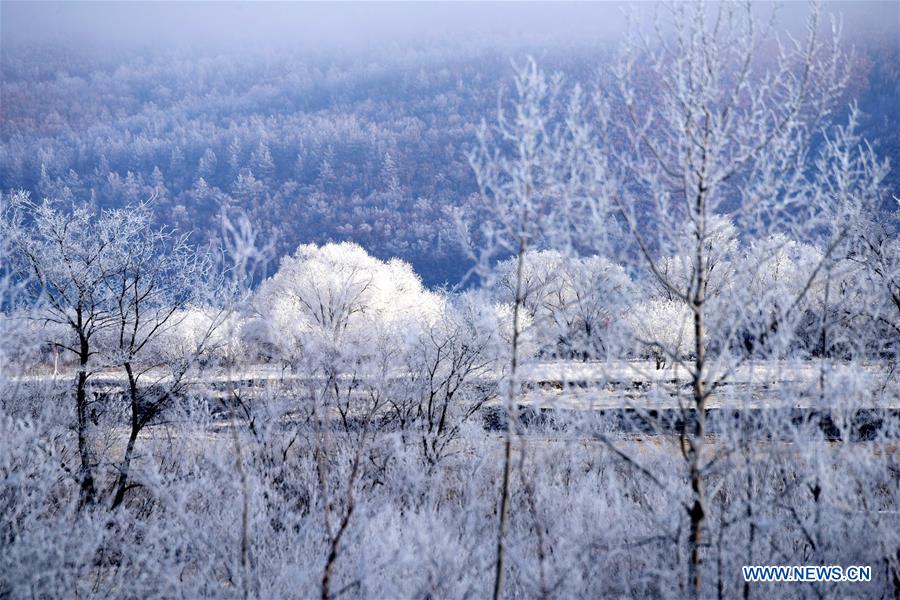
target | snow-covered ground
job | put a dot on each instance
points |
(586, 385)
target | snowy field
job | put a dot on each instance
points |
(587, 385)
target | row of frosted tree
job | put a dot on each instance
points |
(709, 262)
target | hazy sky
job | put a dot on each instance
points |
(354, 24)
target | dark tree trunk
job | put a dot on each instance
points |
(136, 425)
(88, 489)
(697, 512)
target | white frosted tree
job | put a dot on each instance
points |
(157, 276)
(663, 328)
(337, 296)
(345, 321)
(574, 304)
(206, 168)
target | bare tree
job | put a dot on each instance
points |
(157, 277)
(449, 368)
(70, 255)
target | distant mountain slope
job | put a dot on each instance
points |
(314, 147)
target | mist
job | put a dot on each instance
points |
(362, 25)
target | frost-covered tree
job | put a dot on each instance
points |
(150, 286)
(663, 329)
(574, 304)
(206, 168)
(449, 367)
(725, 136)
(779, 270)
(517, 166)
(114, 286)
(261, 161)
(707, 139)
(69, 255)
(861, 286)
(345, 321)
(338, 296)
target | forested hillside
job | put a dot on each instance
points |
(315, 147)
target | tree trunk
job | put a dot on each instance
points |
(499, 573)
(136, 425)
(88, 489)
(697, 511)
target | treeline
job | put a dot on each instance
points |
(572, 307)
